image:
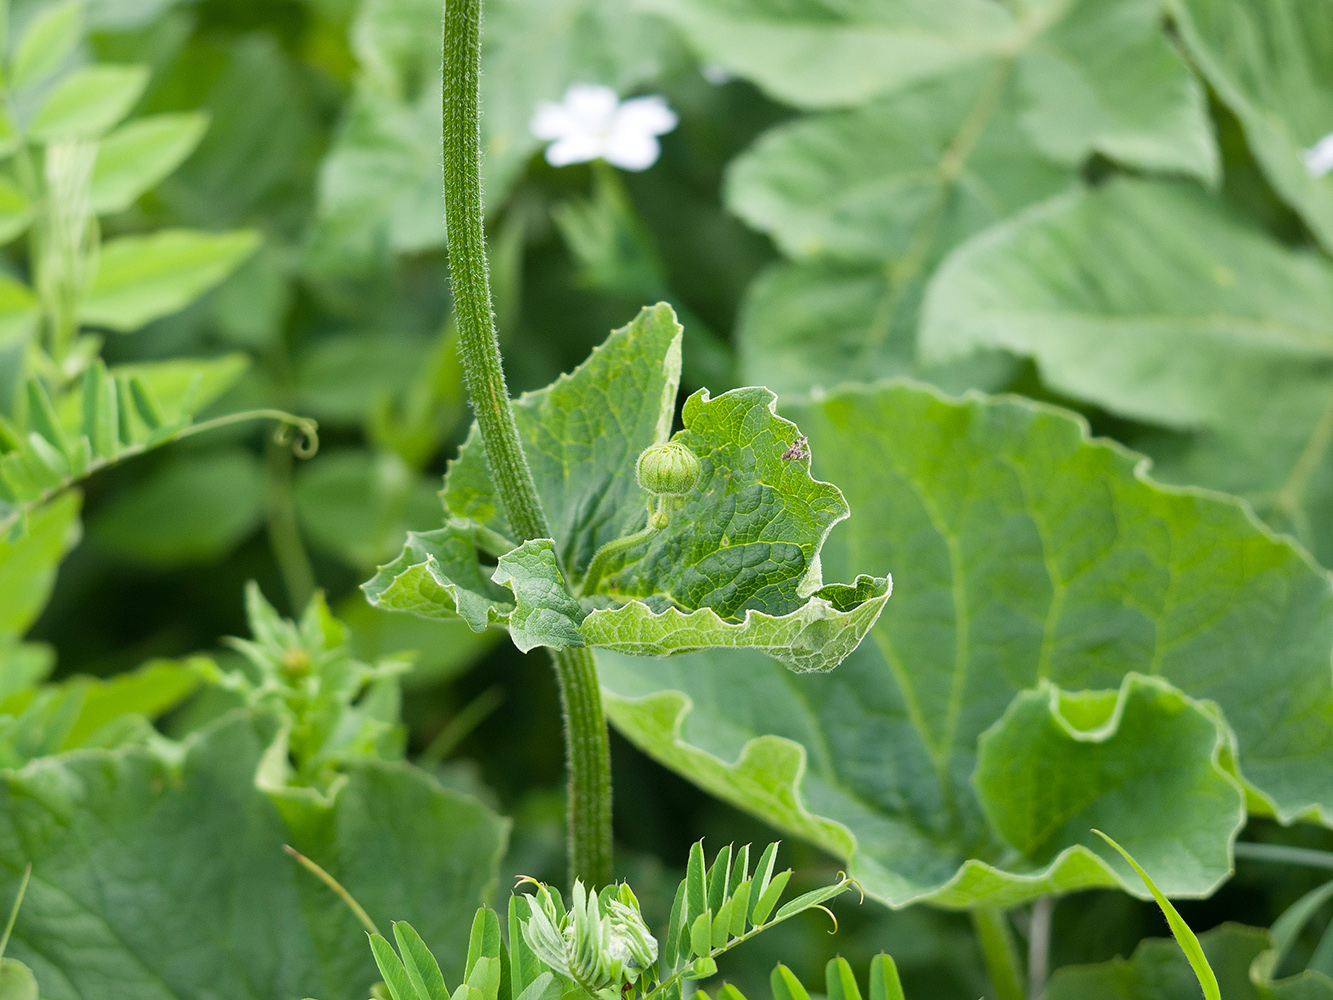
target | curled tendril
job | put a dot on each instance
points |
(846, 879)
(302, 433)
(821, 906)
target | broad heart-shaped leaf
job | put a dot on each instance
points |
(160, 874)
(1031, 554)
(1070, 62)
(1158, 971)
(1268, 62)
(1152, 302)
(736, 564)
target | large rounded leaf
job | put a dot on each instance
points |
(1051, 603)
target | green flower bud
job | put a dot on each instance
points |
(601, 942)
(669, 469)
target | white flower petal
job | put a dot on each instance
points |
(591, 104)
(631, 149)
(648, 114)
(1319, 157)
(551, 121)
(577, 147)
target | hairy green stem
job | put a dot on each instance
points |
(999, 952)
(589, 757)
(586, 746)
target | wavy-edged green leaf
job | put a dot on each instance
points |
(544, 612)
(816, 636)
(1069, 62)
(1058, 764)
(1034, 554)
(143, 278)
(735, 564)
(88, 102)
(582, 435)
(1268, 62)
(181, 826)
(134, 157)
(438, 575)
(747, 536)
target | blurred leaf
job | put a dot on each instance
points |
(18, 309)
(16, 981)
(1151, 301)
(909, 175)
(381, 185)
(143, 278)
(1158, 971)
(88, 711)
(193, 509)
(444, 647)
(16, 210)
(1268, 62)
(1069, 62)
(358, 505)
(185, 387)
(89, 101)
(29, 563)
(135, 157)
(46, 43)
(1034, 555)
(179, 826)
(1145, 298)
(341, 379)
(819, 325)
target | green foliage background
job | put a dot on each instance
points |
(1100, 206)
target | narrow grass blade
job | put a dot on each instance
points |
(1189, 944)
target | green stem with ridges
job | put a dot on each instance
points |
(586, 745)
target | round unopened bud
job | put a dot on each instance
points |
(669, 469)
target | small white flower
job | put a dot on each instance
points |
(593, 123)
(1319, 157)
